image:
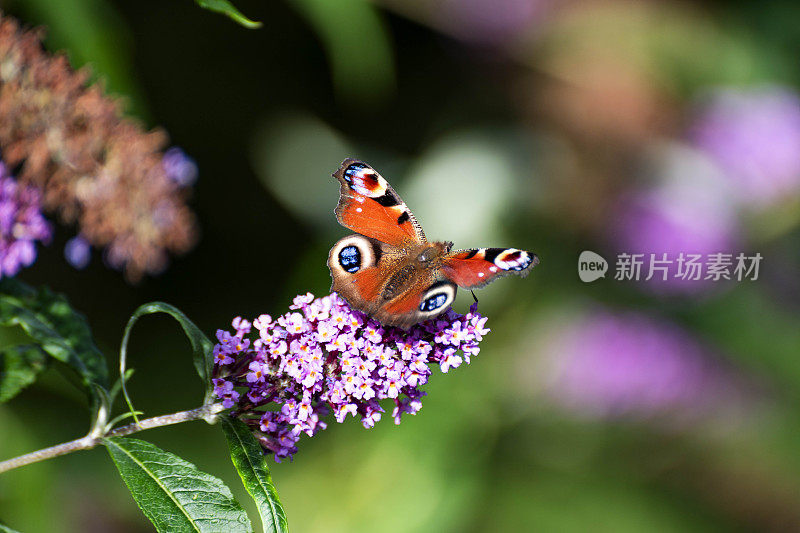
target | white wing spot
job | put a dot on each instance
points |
(493, 269)
(358, 209)
(480, 274)
(520, 263)
(360, 185)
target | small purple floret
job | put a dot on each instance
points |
(78, 252)
(179, 167)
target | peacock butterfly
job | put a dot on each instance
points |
(389, 270)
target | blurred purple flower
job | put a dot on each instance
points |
(21, 224)
(685, 209)
(322, 357)
(754, 136)
(179, 167)
(78, 252)
(609, 365)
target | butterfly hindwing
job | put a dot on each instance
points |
(368, 205)
(353, 262)
(475, 268)
(424, 298)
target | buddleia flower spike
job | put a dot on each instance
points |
(284, 377)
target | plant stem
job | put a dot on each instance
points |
(206, 412)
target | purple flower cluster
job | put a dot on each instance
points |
(683, 208)
(322, 357)
(754, 136)
(612, 365)
(21, 224)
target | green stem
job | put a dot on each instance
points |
(206, 412)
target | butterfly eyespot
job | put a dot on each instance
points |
(352, 254)
(365, 181)
(432, 303)
(438, 298)
(513, 259)
(350, 259)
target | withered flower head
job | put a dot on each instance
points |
(93, 168)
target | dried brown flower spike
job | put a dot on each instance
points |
(93, 167)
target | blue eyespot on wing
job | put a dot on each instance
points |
(432, 303)
(350, 259)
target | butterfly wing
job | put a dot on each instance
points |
(385, 282)
(368, 205)
(475, 268)
(353, 262)
(425, 298)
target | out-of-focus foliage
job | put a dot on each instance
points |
(226, 8)
(357, 45)
(280, 150)
(558, 127)
(53, 325)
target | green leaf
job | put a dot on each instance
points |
(19, 367)
(55, 327)
(249, 460)
(202, 347)
(173, 493)
(226, 8)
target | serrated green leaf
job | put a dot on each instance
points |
(55, 327)
(226, 8)
(251, 463)
(19, 367)
(173, 493)
(202, 347)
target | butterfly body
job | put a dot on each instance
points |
(388, 269)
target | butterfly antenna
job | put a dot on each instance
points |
(474, 297)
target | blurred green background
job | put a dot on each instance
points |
(552, 126)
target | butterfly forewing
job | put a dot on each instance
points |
(369, 205)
